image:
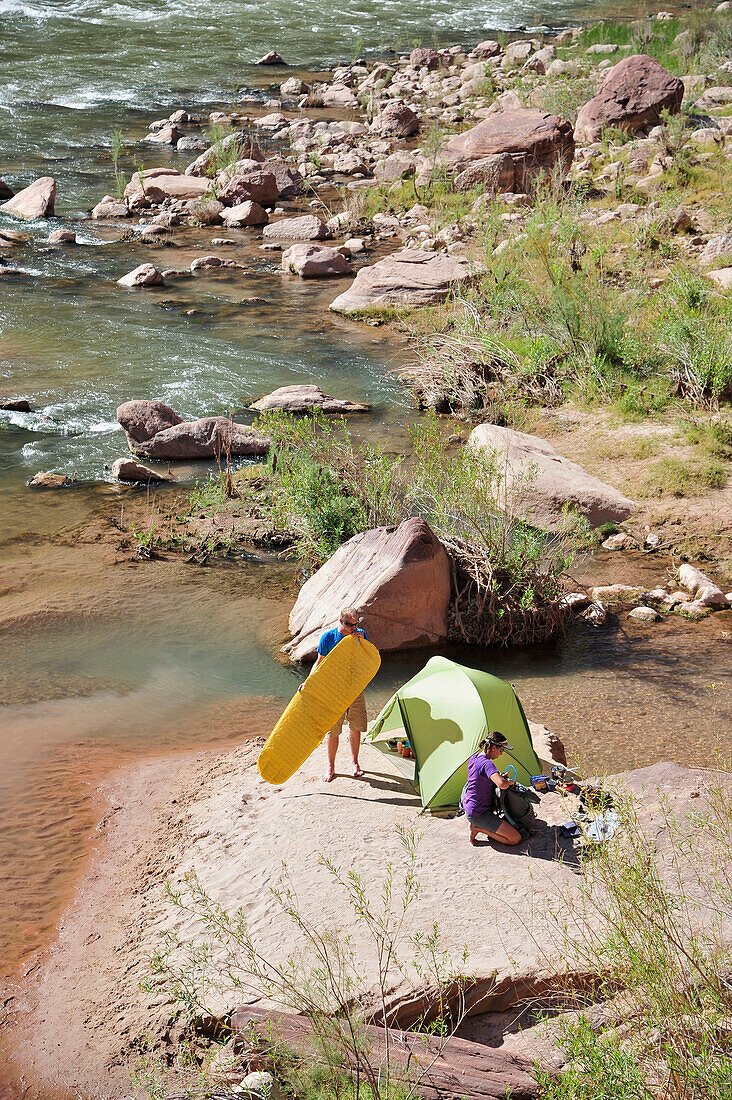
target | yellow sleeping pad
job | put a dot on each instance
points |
(327, 694)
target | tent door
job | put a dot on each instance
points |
(408, 731)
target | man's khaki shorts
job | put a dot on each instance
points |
(356, 715)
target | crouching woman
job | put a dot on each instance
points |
(480, 797)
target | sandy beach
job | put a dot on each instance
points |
(210, 813)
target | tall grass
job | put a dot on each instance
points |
(653, 931)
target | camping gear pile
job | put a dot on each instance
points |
(434, 723)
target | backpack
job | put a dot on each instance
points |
(516, 806)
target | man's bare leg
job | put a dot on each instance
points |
(331, 745)
(354, 736)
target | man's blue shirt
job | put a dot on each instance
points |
(331, 638)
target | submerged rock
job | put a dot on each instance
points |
(271, 58)
(45, 480)
(411, 277)
(553, 480)
(302, 399)
(312, 261)
(34, 201)
(15, 404)
(397, 577)
(6, 192)
(62, 236)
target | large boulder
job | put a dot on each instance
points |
(553, 481)
(411, 277)
(302, 399)
(156, 431)
(633, 94)
(252, 186)
(35, 201)
(315, 261)
(535, 140)
(307, 227)
(397, 577)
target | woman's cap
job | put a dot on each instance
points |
(499, 741)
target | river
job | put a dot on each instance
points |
(102, 663)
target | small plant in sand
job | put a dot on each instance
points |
(651, 931)
(339, 983)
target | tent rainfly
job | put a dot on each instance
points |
(445, 711)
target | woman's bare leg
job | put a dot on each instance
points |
(504, 834)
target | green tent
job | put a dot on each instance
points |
(445, 710)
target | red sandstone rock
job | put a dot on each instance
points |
(307, 227)
(302, 399)
(315, 261)
(633, 94)
(411, 277)
(62, 236)
(396, 120)
(126, 469)
(142, 420)
(397, 577)
(536, 140)
(165, 183)
(156, 431)
(34, 201)
(425, 57)
(144, 275)
(252, 186)
(245, 213)
(554, 481)
(45, 480)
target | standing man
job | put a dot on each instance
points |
(356, 713)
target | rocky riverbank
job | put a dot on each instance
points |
(474, 165)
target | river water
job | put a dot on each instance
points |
(102, 664)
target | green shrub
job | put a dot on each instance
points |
(650, 934)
